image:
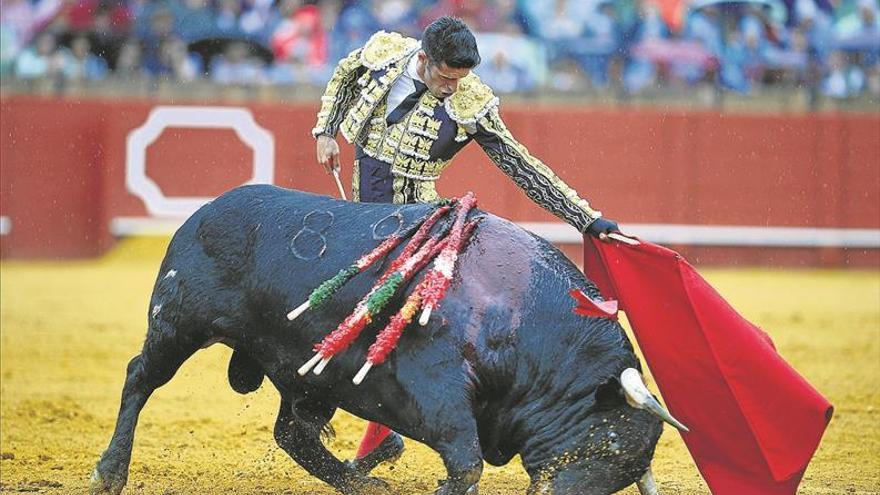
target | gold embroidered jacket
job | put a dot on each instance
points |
(421, 145)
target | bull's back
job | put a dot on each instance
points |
(260, 250)
(301, 239)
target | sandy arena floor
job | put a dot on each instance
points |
(69, 329)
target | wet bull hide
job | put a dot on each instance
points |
(503, 368)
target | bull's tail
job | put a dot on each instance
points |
(245, 373)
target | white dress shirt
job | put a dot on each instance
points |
(404, 85)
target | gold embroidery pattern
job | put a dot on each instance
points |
(416, 168)
(356, 181)
(406, 145)
(408, 190)
(338, 95)
(384, 48)
(534, 177)
(424, 125)
(471, 102)
(371, 94)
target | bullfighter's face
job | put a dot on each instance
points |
(441, 80)
(613, 452)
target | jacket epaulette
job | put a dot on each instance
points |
(471, 102)
(384, 48)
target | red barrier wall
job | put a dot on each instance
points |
(62, 168)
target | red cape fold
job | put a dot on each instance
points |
(589, 307)
(755, 422)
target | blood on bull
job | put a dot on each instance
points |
(503, 366)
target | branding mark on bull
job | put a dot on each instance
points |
(309, 243)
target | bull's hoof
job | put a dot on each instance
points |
(105, 485)
(456, 489)
(389, 450)
(366, 485)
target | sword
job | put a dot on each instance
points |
(622, 238)
(339, 183)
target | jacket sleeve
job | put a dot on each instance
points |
(530, 174)
(340, 94)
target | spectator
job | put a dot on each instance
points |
(571, 39)
(258, 19)
(355, 24)
(502, 16)
(236, 67)
(193, 19)
(740, 61)
(82, 64)
(175, 63)
(843, 80)
(852, 17)
(226, 18)
(504, 76)
(487, 16)
(9, 49)
(704, 27)
(161, 27)
(300, 38)
(754, 47)
(128, 64)
(575, 29)
(42, 60)
(16, 19)
(650, 27)
(396, 15)
(74, 16)
(815, 25)
(110, 27)
(429, 11)
(600, 43)
(557, 21)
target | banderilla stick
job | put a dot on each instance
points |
(332, 285)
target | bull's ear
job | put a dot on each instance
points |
(609, 394)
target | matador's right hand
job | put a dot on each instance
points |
(328, 152)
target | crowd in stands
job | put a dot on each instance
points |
(526, 45)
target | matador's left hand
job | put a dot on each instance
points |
(601, 227)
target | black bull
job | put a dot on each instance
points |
(503, 368)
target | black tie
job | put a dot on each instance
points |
(407, 104)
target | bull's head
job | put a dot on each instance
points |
(618, 446)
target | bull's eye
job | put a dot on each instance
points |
(612, 441)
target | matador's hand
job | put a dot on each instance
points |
(601, 227)
(328, 153)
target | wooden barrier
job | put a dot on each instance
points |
(63, 170)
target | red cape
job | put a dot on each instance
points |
(755, 422)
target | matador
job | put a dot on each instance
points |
(408, 107)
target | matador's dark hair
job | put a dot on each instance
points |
(448, 40)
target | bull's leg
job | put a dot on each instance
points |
(164, 351)
(460, 451)
(298, 431)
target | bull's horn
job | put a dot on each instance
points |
(638, 396)
(647, 485)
